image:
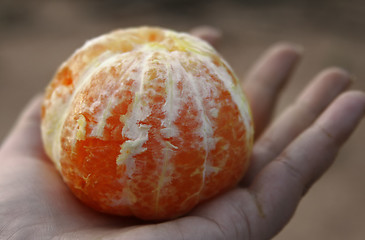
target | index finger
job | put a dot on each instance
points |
(268, 76)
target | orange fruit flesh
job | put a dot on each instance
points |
(147, 122)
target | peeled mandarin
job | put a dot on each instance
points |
(147, 122)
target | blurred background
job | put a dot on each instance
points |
(36, 36)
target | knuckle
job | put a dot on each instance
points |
(266, 148)
(293, 172)
(329, 137)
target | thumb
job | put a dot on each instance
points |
(25, 137)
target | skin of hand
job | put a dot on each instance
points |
(289, 155)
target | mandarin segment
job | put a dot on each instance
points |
(147, 122)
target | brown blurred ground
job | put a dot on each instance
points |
(36, 36)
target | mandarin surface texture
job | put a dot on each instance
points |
(147, 122)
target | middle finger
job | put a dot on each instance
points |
(310, 104)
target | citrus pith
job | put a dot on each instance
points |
(147, 122)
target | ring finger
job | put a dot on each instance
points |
(311, 103)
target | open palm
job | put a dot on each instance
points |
(289, 155)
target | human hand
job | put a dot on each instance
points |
(287, 158)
